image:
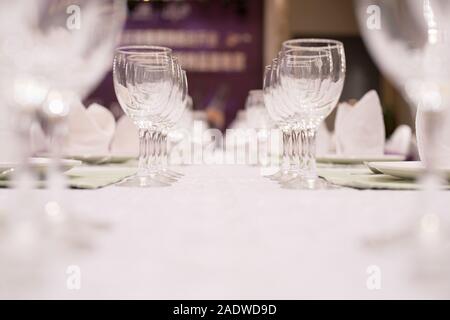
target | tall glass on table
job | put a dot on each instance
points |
(312, 78)
(55, 53)
(409, 42)
(144, 83)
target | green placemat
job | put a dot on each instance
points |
(365, 179)
(89, 177)
(98, 176)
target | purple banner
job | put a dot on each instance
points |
(219, 43)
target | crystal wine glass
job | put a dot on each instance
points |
(143, 81)
(284, 126)
(409, 42)
(312, 73)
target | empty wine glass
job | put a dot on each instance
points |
(409, 42)
(286, 112)
(259, 120)
(143, 81)
(170, 115)
(54, 53)
(312, 73)
(281, 123)
(257, 116)
(178, 107)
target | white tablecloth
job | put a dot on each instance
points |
(226, 232)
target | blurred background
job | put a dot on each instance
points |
(224, 45)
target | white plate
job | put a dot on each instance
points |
(102, 159)
(39, 165)
(337, 159)
(403, 169)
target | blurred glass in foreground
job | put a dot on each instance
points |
(409, 42)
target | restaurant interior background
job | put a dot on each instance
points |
(152, 206)
(224, 45)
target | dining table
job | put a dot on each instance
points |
(229, 232)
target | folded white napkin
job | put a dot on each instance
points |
(324, 144)
(90, 130)
(442, 139)
(126, 138)
(400, 141)
(359, 129)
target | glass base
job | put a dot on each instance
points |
(171, 173)
(277, 175)
(165, 178)
(137, 181)
(289, 176)
(302, 183)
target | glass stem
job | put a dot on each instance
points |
(311, 169)
(56, 179)
(432, 126)
(24, 175)
(152, 147)
(164, 160)
(143, 152)
(285, 155)
(291, 151)
(430, 221)
(296, 145)
(158, 150)
(304, 157)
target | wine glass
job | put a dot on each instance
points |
(179, 104)
(286, 112)
(285, 128)
(256, 112)
(312, 73)
(54, 53)
(258, 119)
(409, 42)
(143, 81)
(169, 117)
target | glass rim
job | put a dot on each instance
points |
(140, 57)
(164, 63)
(318, 53)
(334, 43)
(134, 49)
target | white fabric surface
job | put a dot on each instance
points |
(226, 232)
